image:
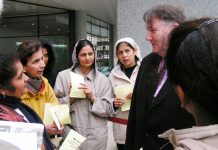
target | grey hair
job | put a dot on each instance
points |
(165, 12)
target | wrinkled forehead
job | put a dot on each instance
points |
(156, 22)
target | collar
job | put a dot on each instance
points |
(90, 76)
(42, 90)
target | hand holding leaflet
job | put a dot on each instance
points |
(122, 91)
(76, 79)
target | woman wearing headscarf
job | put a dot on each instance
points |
(127, 55)
(90, 114)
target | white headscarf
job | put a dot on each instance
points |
(132, 43)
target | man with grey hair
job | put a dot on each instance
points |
(155, 106)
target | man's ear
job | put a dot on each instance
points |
(175, 24)
(181, 95)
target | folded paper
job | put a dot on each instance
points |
(76, 79)
(122, 91)
(61, 112)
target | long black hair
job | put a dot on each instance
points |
(192, 61)
(7, 70)
(51, 58)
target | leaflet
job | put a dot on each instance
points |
(59, 113)
(21, 135)
(72, 141)
(122, 91)
(76, 79)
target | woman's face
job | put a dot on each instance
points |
(18, 81)
(45, 55)
(126, 55)
(35, 65)
(86, 57)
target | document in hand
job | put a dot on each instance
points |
(72, 141)
(60, 114)
(21, 135)
(76, 79)
(121, 91)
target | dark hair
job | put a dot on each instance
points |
(7, 70)
(129, 45)
(82, 43)
(192, 61)
(165, 12)
(27, 49)
(51, 58)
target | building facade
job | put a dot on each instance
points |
(62, 27)
(130, 16)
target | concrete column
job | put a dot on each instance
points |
(80, 25)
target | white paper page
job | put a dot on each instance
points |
(72, 141)
(55, 118)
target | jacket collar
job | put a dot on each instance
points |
(117, 72)
(42, 91)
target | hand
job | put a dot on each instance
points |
(118, 102)
(129, 96)
(88, 92)
(53, 130)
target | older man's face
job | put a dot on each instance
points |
(157, 34)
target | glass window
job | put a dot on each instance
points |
(34, 24)
(53, 24)
(89, 27)
(104, 24)
(96, 30)
(19, 26)
(104, 32)
(95, 21)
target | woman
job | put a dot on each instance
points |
(39, 90)
(12, 86)
(192, 62)
(125, 72)
(89, 115)
(49, 60)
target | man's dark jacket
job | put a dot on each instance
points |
(151, 116)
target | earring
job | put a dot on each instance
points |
(3, 93)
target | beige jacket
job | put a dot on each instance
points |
(196, 138)
(90, 120)
(118, 77)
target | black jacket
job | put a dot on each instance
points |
(147, 119)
